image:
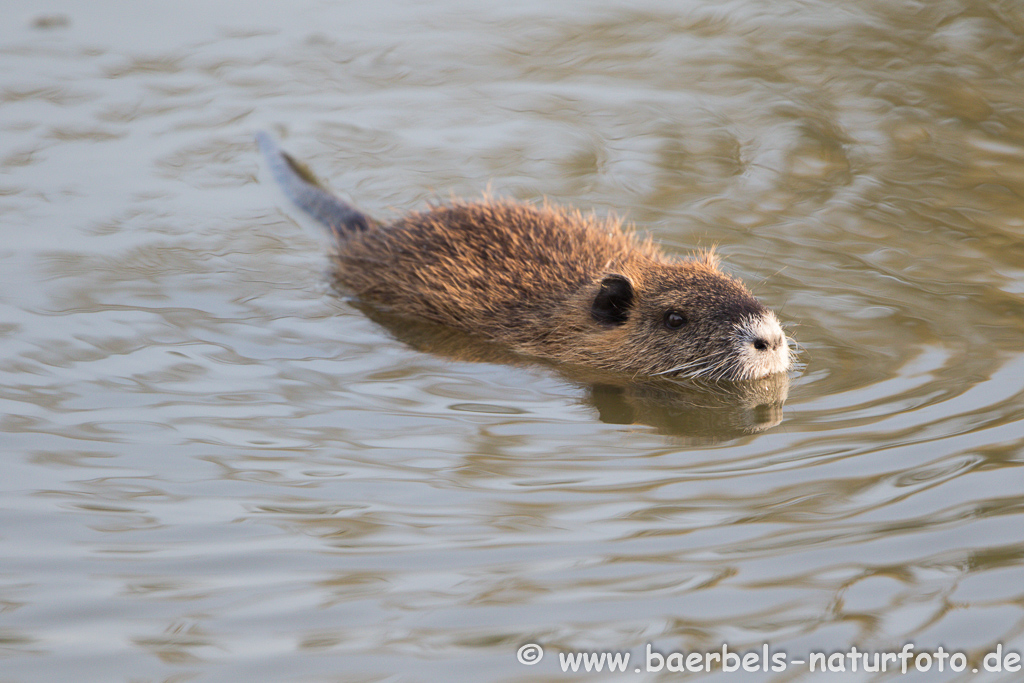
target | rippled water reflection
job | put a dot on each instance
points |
(218, 468)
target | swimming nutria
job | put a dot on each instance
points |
(548, 282)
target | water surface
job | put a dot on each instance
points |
(217, 467)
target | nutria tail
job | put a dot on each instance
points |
(305, 191)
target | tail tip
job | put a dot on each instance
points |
(266, 143)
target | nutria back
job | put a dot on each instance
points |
(549, 282)
(497, 268)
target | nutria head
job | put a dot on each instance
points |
(680, 318)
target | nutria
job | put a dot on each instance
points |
(548, 282)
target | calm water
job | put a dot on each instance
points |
(217, 468)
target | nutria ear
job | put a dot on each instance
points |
(612, 303)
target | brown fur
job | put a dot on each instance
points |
(526, 277)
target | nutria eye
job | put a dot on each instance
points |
(674, 320)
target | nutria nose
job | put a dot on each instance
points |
(764, 343)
